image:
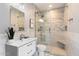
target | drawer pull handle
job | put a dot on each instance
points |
(29, 52)
(29, 44)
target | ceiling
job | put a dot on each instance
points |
(45, 6)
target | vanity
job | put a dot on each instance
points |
(24, 47)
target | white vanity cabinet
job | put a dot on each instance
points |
(26, 49)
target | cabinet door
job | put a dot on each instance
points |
(28, 49)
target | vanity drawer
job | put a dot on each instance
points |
(27, 49)
(32, 48)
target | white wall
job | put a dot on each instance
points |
(73, 12)
(30, 14)
(72, 35)
(4, 24)
(4, 17)
(66, 14)
(72, 43)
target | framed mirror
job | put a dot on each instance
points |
(17, 19)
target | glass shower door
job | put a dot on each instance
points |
(42, 31)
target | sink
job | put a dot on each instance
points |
(18, 43)
(14, 42)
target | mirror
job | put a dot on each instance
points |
(17, 19)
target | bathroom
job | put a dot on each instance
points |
(52, 29)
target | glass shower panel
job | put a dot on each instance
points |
(47, 31)
(42, 30)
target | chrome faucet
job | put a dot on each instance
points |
(21, 36)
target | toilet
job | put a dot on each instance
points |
(41, 49)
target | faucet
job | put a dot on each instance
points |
(21, 36)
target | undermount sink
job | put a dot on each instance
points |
(14, 42)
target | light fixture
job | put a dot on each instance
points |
(50, 6)
(41, 20)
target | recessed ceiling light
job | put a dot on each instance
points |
(50, 6)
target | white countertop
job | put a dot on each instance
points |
(18, 43)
